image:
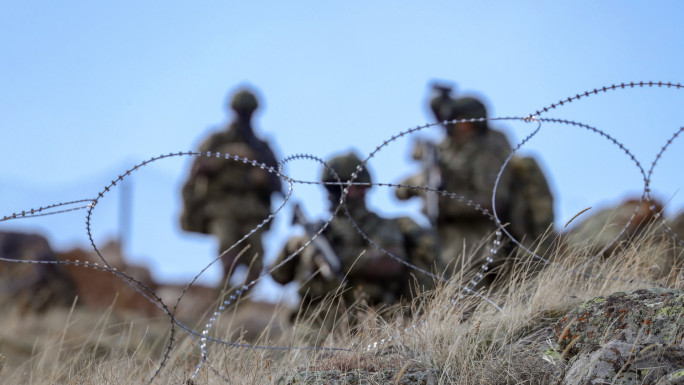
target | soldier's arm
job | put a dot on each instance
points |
(404, 193)
(274, 180)
(420, 179)
(260, 178)
(206, 165)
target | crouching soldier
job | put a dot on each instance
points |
(343, 267)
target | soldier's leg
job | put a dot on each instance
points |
(227, 234)
(253, 258)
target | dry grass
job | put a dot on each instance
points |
(453, 339)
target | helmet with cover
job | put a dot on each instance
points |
(244, 102)
(344, 166)
(470, 108)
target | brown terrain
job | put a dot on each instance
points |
(37, 287)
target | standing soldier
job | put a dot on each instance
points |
(467, 163)
(228, 198)
(369, 274)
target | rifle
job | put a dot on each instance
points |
(442, 108)
(433, 176)
(326, 259)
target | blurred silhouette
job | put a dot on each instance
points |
(350, 268)
(466, 163)
(230, 198)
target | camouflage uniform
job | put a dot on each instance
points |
(468, 162)
(229, 198)
(531, 206)
(370, 276)
(470, 171)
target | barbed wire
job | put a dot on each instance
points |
(604, 89)
(202, 338)
(45, 211)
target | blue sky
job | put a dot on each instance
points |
(89, 89)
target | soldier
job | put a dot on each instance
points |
(228, 198)
(370, 274)
(466, 163)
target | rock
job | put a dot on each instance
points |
(610, 229)
(609, 233)
(33, 286)
(625, 338)
(677, 226)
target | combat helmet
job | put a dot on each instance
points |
(344, 165)
(244, 102)
(470, 108)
